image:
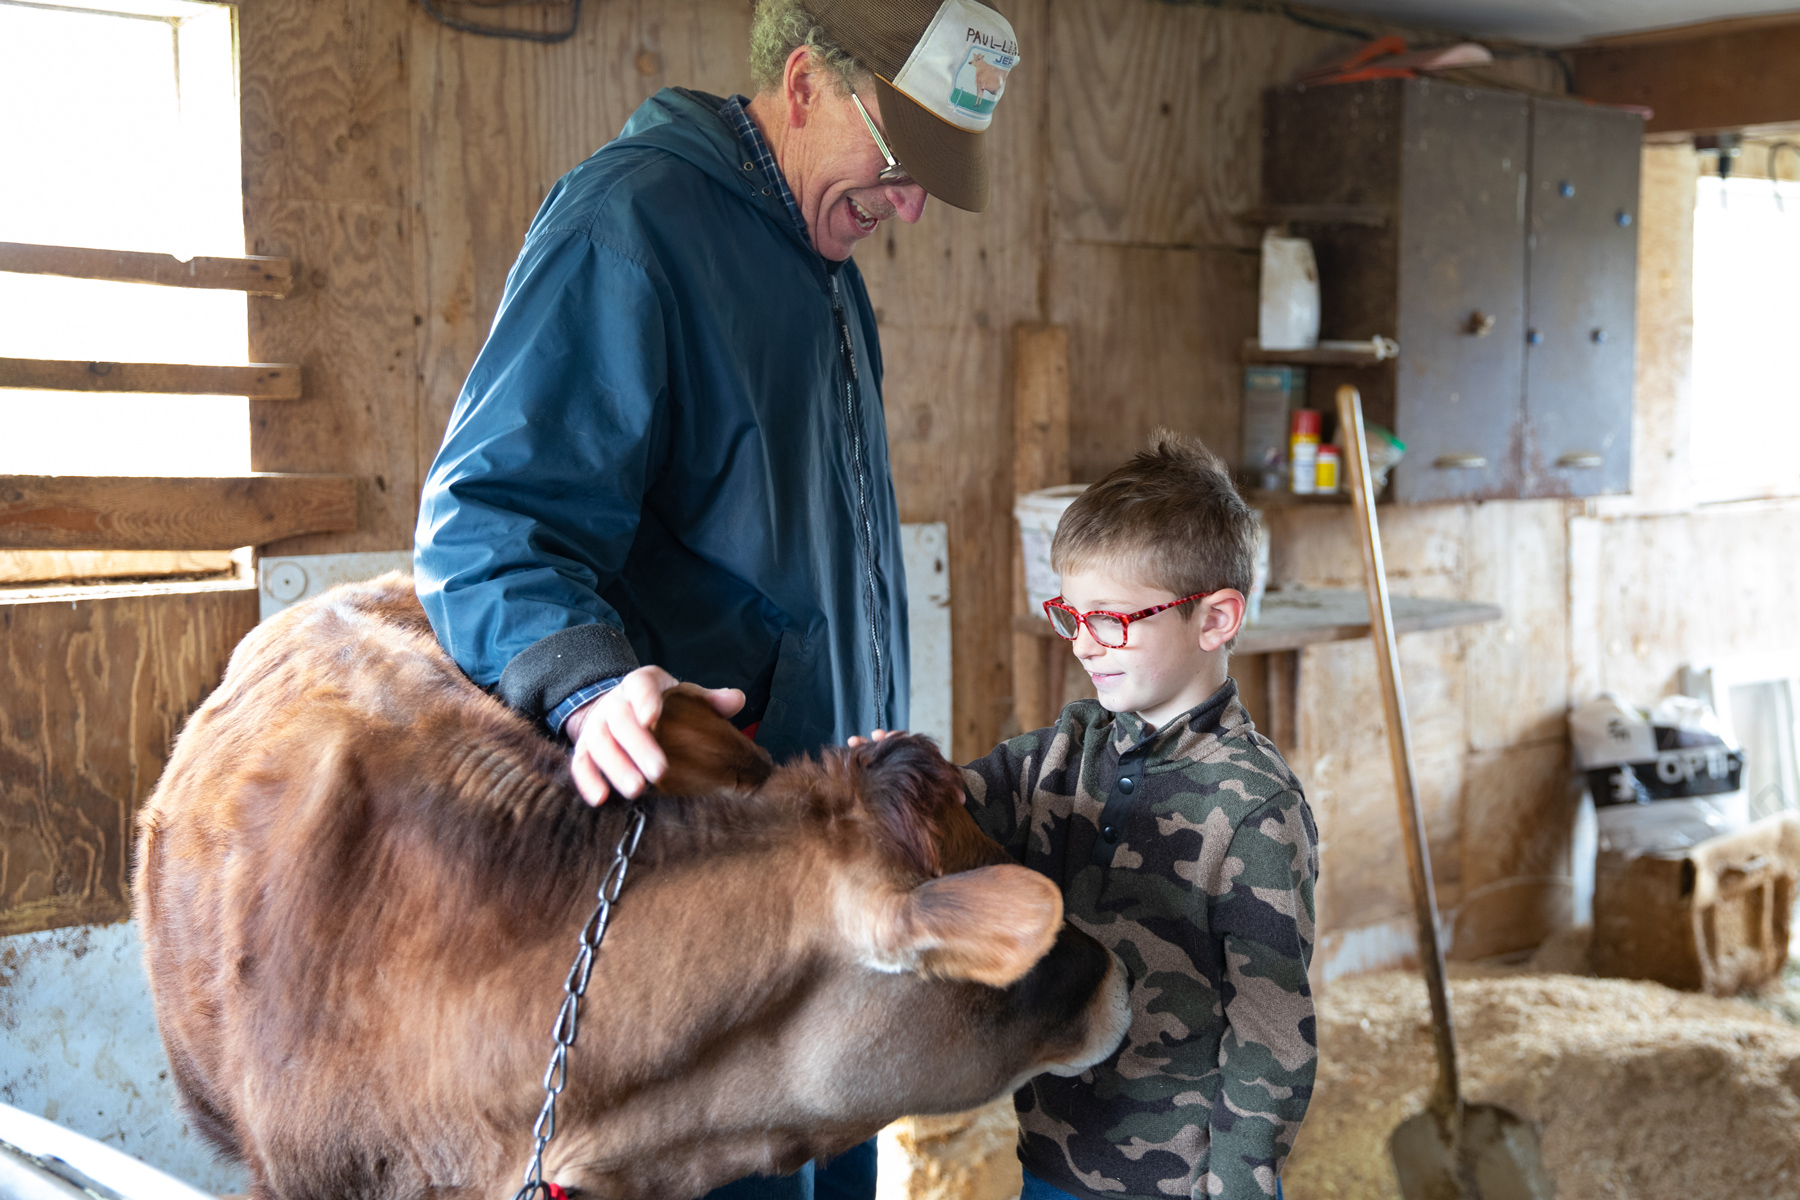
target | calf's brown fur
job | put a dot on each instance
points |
(360, 881)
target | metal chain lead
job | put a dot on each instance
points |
(556, 1075)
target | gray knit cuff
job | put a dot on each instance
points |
(551, 669)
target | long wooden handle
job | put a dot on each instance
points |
(1444, 1100)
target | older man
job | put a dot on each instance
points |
(671, 449)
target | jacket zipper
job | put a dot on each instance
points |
(852, 414)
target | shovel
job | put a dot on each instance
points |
(1452, 1150)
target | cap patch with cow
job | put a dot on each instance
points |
(940, 71)
(360, 880)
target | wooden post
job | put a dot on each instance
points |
(1041, 408)
(1283, 690)
(1040, 460)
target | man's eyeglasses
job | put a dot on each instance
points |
(893, 172)
(1108, 628)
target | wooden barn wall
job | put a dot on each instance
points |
(400, 163)
(1658, 582)
(95, 690)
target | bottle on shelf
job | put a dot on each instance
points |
(1303, 451)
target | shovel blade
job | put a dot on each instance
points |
(1495, 1158)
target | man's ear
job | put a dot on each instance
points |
(1221, 618)
(990, 925)
(802, 80)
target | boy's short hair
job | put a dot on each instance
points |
(1170, 518)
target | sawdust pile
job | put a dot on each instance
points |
(964, 1156)
(1641, 1092)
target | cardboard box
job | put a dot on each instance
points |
(1713, 919)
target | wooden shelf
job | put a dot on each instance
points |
(1252, 352)
(1267, 498)
(257, 275)
(259, 381)
(1292, 619)
(1373, 216)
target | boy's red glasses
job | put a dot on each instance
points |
(1110, 629)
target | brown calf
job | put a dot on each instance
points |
(360, 882)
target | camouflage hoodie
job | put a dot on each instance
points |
(1190, 853)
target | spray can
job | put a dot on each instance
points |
(1303, 451)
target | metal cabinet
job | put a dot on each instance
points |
(1494, 235)
(1581, 299)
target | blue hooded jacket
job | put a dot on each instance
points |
(672, 450)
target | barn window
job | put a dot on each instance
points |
(122, 134)
(1746, 399)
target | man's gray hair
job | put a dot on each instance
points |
(781, 27)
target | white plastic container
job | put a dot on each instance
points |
(1037, 514)
(1303, 468)
(1288, 318)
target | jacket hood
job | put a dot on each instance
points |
(687, 124)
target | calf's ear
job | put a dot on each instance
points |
(990, 925)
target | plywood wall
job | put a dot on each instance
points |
(96, 692)
(1487, 705)
(1656, 581)
(400, 163)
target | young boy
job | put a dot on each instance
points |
(1180, 840)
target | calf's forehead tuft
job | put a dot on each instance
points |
(903, 788)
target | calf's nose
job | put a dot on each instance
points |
(1080, 993)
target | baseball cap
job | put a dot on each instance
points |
(940, 69)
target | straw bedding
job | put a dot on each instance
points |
(1641, 1092)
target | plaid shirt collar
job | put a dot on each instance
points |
(735, 115)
